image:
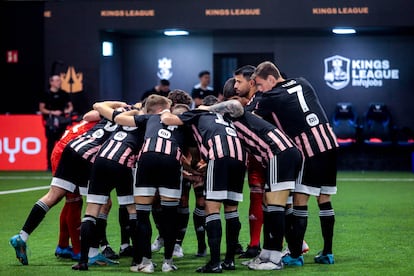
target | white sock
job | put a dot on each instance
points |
(93, 252)
(24, 236)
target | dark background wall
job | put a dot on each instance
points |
(72, 32)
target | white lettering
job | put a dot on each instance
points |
(27, 145)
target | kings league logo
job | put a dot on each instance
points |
(165, 66)
(341, 72)
(337, 73)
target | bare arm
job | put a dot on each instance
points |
(127, 118)
(170, 119)
(232, 107)
(91, 116)
(107, 108)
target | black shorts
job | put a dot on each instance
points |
(107, 175)
(157, 171)
(72, 171)
(319, 174)
(224, 180)
(284, 170)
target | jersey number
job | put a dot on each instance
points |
(298, 90)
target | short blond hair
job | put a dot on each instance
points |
(154, 103)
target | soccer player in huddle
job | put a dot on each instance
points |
(221, 149)
(293, 105)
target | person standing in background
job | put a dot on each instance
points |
(202, 89)
(162, 89)
(55, 105)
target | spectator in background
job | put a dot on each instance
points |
(202, 89)
(55, 105)
(162, 89)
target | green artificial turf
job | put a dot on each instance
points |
(373, 230)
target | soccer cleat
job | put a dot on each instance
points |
(251, 252)
(202, 253)
(65, 253)
(168, 266)
(178, 251)
(238, 249)
(305, 247)
(157, 244)
(76, 257)
(109, 253)
(228, 265)
(80, 266)
(262, 264)
(146, 266)
(289, 261)
(20, 247)
(210, 268)
(324, 259)
(126, 252)
(101, 260)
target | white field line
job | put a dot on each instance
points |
(48, 177)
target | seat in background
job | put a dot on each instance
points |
(377, 128)
(345, 124)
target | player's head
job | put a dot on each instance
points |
(178, 96)
(244, 84)
(179, 108)
(210, 100)
(266, 76)
(228, 88)
(156, 103)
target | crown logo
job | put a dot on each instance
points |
(72, 81)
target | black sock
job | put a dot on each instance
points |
(101, 223)
(35, 217)
(276, 220)
(156, 216)
(183, 217)
(300, 224)
(233, 227)
(327, 219)
(266, 228)
(214, 233)
(199, 220)
(168, 226)
(88, 237)
(123, 219)
(288, 224)
(144, 231)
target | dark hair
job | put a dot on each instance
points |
(165, 82)
(202, 73)
(178, 96)
(247, 71)
(228, 88)
(210, 100)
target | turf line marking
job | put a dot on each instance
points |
(24, 190)
(377, 179)
(48, 177)
(24, 177)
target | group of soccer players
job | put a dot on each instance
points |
(270, 126)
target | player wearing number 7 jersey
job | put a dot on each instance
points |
(294, 107)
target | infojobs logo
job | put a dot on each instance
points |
(340, 71)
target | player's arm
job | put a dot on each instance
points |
(170, 119)
(125, 118)
(233, 107)
(106, 109)
(91, 116)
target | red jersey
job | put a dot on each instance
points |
(69, 134)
